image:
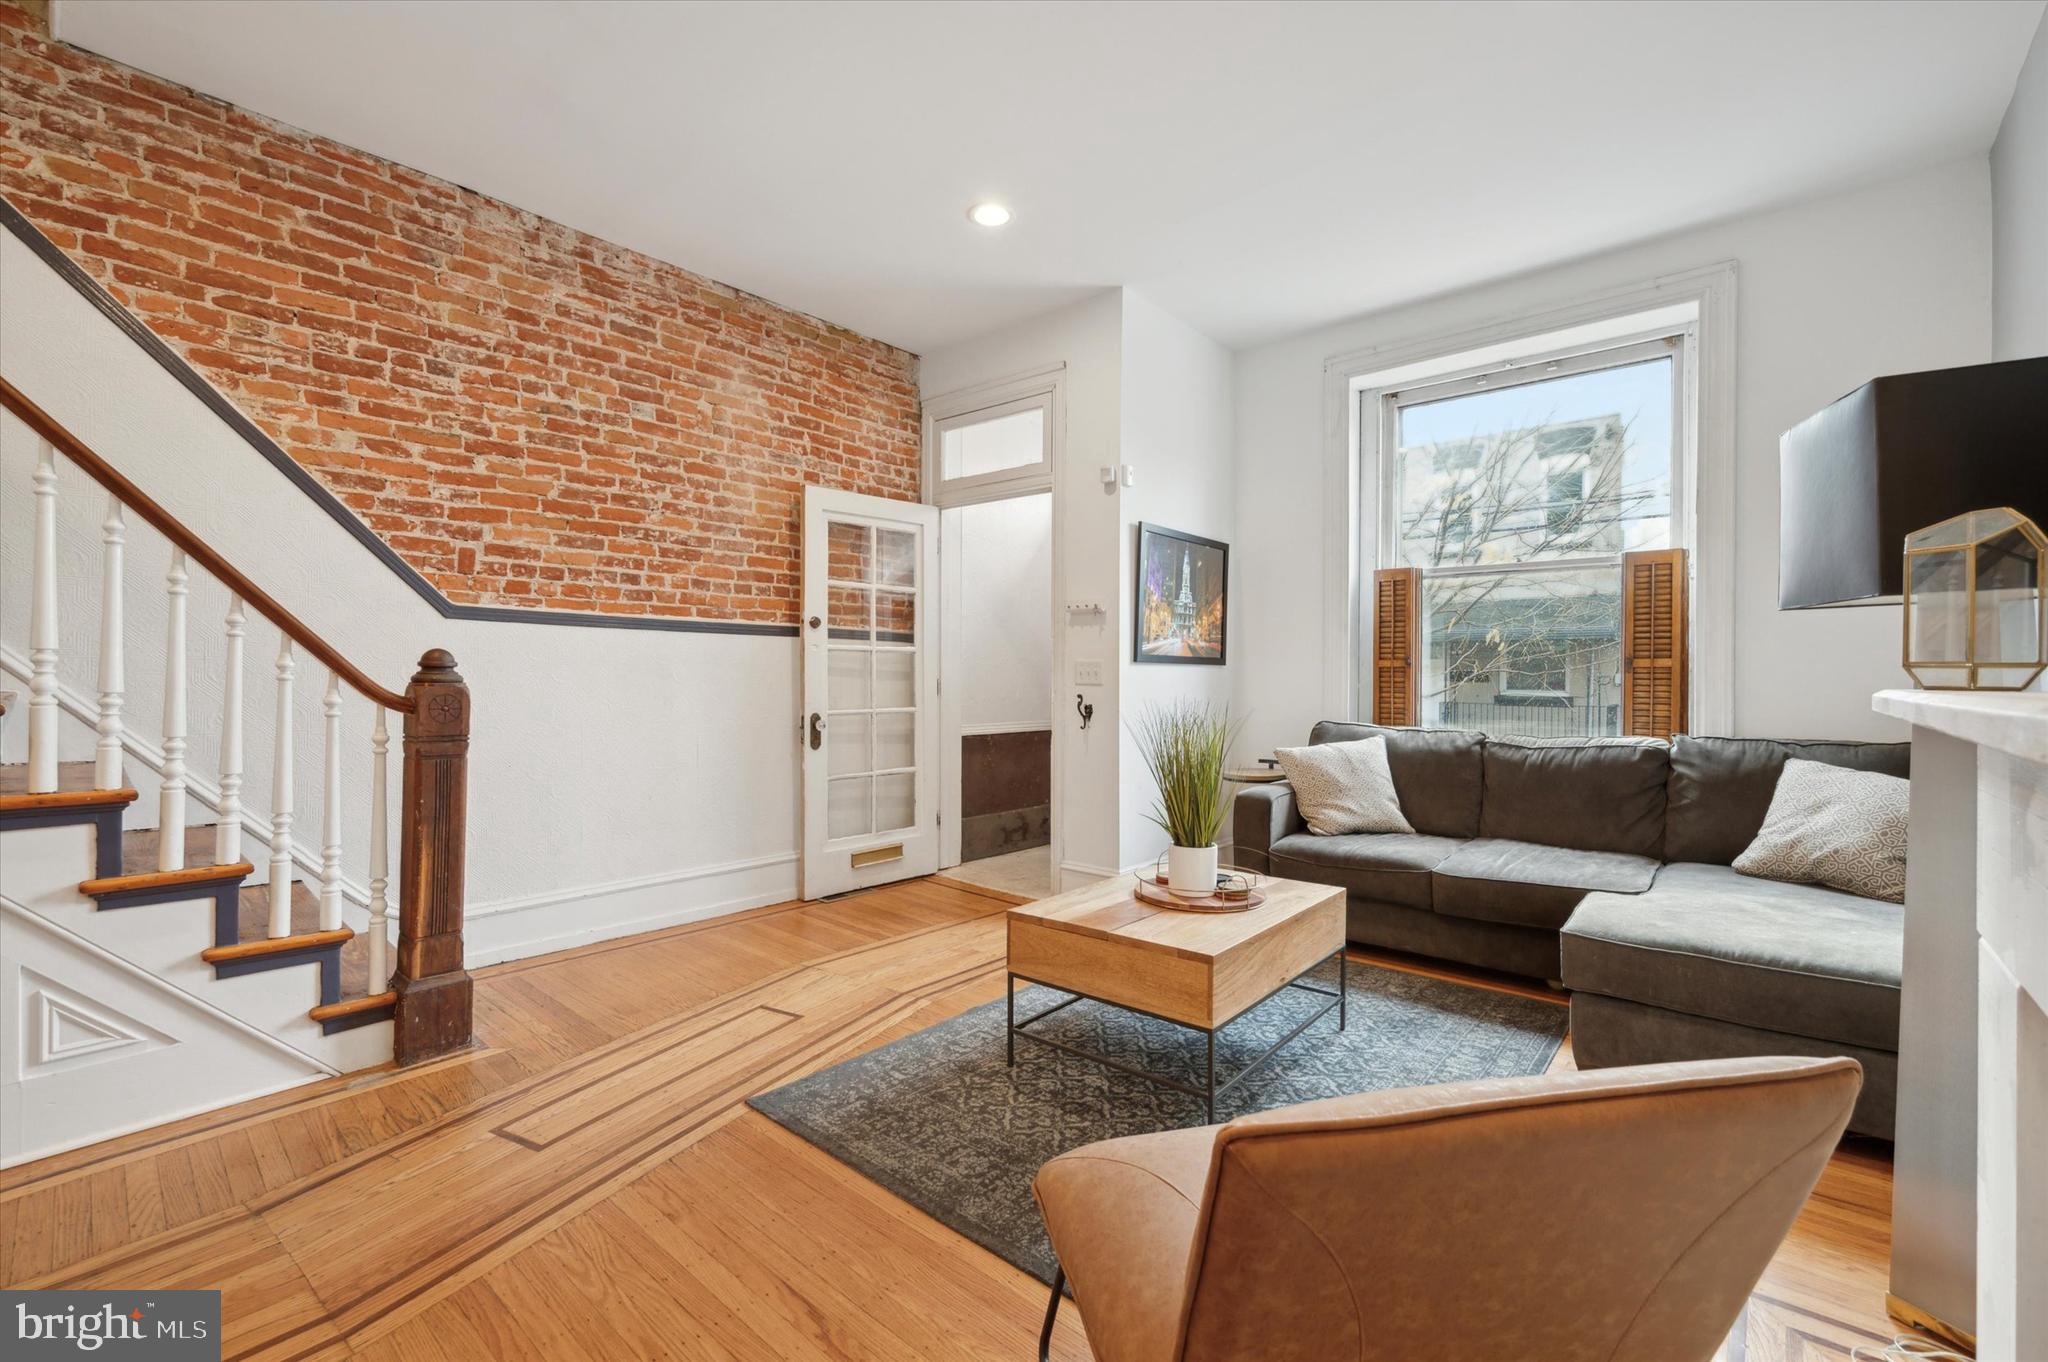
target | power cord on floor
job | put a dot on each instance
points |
(1906, 1349)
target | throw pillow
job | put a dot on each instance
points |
(1833, 826)
(1344, 786)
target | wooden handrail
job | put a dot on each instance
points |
(133, 497)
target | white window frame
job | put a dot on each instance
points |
(1042, 390)
(1702, 299)
(1678, 344)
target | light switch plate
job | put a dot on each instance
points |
(1087, 673)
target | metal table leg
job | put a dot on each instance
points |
(1210, 1099)
(1208, 1090)
(1343, 986)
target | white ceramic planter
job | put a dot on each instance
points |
(1191, 870)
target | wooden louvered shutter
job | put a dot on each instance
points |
(1653, 624)
(1396, 634)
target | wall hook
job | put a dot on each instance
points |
(1084, 709)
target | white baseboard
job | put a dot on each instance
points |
(512, 929)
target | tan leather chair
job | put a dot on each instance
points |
(1622, 1215)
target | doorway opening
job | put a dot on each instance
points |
(996, 746)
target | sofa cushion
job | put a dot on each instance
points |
(1344, 786)
(1720, 788)
(1781, 957)
(1528, 884)
(1833, 826)
(1390, 866)
(1592, 794)
(1437, 772)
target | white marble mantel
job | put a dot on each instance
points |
(1979, 835)
(2014, 722)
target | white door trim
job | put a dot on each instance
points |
(1051, 380)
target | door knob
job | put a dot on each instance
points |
(817, 731)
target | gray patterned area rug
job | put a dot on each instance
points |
(940, 1120)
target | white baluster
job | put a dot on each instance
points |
(106, 771)
(170, 816)
(42, 631)
(281, 801)
(227, 833)
(330, 812)
(380, 856)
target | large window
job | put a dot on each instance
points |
(1514, 492)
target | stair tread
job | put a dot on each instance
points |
(254, 906)
(348, 1007)
(72, 776)
(139, 847)
(210, 877)
(139, 854)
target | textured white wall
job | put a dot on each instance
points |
(1177, 439)
(2019, 208)
(1890, 278)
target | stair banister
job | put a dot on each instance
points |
(42, 630)
(227, 830)
(170, 842)
(195, 548)
(433, 991)
(283, 805)
(113, 679)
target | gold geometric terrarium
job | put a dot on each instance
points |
(1976, 611)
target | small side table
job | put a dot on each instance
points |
(1263, 772)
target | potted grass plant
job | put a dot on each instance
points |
(1183, 743)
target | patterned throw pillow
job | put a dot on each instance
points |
(1344, 786)
(1833, 826)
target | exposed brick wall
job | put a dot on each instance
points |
(530, 415)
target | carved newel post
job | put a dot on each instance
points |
(433, 1015)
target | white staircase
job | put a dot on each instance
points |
(154, 961)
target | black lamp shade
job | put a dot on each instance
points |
(1897, 454)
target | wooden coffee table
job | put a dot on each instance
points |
(1198, 970)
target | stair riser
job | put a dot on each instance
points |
(226, 904)
(40, 870)
(328, 958)
(336, 1025)
(106, 824)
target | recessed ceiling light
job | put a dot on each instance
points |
(988, 214)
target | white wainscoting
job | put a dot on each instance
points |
(514, 928)
(97, 1047)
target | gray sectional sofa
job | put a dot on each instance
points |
(1603, 863)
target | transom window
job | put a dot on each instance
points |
(986, 446)
(1515, 492)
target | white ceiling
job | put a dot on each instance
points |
(1256, 168)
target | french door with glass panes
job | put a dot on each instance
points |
(870, 691)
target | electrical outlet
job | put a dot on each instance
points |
(1087, 673)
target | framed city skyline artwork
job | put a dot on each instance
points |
(1183, 584)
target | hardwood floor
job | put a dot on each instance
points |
(588, 1182)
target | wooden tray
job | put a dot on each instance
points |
(1155, 894)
